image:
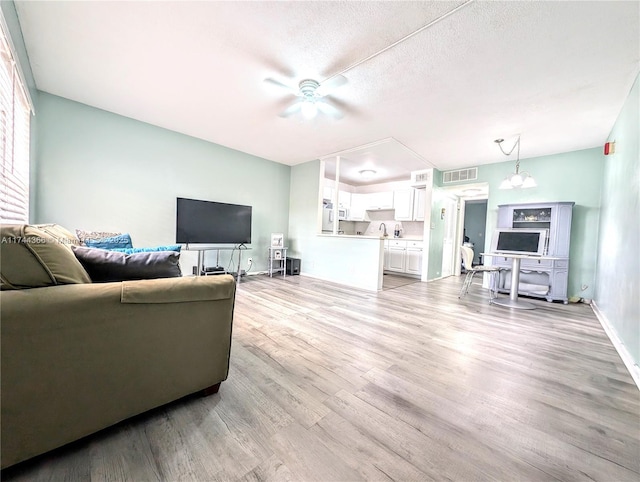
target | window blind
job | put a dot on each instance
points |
(15, 117)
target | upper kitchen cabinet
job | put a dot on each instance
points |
(380, 200)
(344, 199)
(357, 210)
(403, 204)
(418, 204)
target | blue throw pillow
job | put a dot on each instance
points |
(171, 247)
(120, 241)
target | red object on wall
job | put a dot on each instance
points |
(609, 148)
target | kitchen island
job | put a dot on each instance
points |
(349, 259)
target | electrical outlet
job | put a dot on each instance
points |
(250, 260)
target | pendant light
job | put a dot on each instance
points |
(517, 179)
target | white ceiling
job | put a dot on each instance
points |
(555, 72)
(388, 159)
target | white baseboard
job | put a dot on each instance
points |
(620, 347)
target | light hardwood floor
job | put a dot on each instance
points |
(410, 384)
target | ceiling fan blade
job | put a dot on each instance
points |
(329, 110)
(290, 88)
(332, 84)
(291, 110)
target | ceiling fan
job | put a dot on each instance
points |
(312, 97)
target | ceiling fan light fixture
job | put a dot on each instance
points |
(309, 109)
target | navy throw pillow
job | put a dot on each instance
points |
(106, 266)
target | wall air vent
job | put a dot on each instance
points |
(460, 175)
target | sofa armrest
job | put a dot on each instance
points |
(178, 290)
(76, 359)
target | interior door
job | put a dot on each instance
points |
(449, 242)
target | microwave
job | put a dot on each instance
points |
(343, 214)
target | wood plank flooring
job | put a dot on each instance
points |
(409, 384)
(392, 281)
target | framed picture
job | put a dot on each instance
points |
(277, 254)
(277, 240)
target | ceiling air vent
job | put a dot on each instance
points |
(470, 174)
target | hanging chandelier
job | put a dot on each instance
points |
(517, 179)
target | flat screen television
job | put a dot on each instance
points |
(208, 222)
(519, 241)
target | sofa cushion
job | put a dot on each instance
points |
(84, 235)
(61, 234)
(119, 241)
(106, 266)
(32, 258)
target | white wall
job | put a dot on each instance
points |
(352, 261)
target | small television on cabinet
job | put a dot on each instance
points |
(208, 222)
(520, 241)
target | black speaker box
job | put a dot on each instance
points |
(293, 265)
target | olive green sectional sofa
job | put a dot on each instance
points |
(79, 356)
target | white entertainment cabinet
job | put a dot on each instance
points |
(542, 278)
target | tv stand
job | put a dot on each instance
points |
(201, 250)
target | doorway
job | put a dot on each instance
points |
(475, 226)
(471, 197)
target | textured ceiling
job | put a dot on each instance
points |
(555, 72)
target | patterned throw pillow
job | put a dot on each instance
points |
(171, 247)
(84, 235)
(119, 241)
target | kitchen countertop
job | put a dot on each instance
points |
(359, 236)
(407, 238)
(363, 236)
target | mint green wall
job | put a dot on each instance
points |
(101, 171)
(436, 240)
(571, 176)
(618, 287)
(15, 32)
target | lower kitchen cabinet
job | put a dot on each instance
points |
(403, 256)
(396, 258)
(413, 263)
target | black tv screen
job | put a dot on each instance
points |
(514, 241)
(207, 222)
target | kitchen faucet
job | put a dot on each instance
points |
(383, 226)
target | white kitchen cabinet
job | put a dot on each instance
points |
(380, 200)
(403, 204)
(418, 204)
(402, 256)
(327, 193)
(413, 261)
(344, 199)
(358, 206)
(396, 259)
(397, 252)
